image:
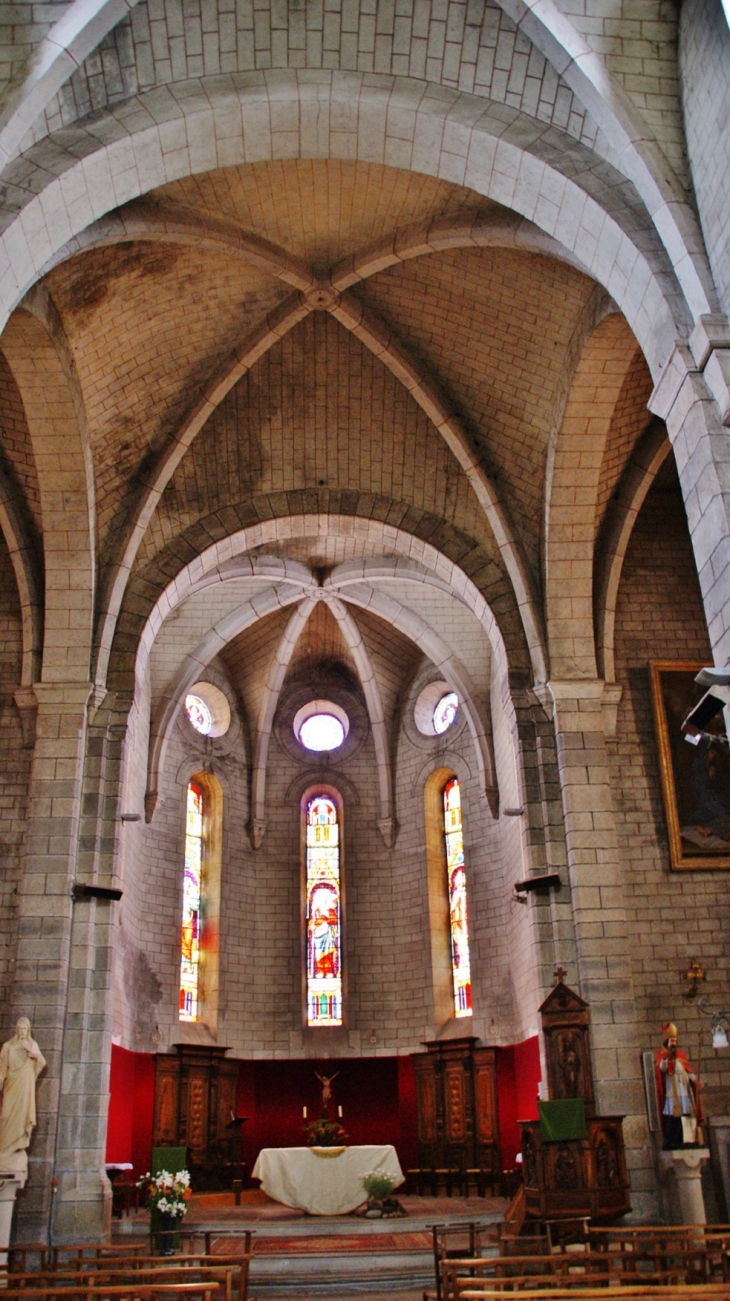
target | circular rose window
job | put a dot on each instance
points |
(445, 712)
(321, 725)
(436, 708)
(198, 714)
(207, 709)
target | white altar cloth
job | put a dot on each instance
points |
(323, 1185)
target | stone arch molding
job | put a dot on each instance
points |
(345, 588)
(547, 27)
(398, 126)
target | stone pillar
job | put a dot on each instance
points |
(599, 919)
(83, 1203)
(10, 1184)
(683, 1169)
(44, 921)
(692, 396)
(553, 937)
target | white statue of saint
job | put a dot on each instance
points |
(21, 1062)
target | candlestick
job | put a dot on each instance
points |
(304, 1112)
(339, 1112)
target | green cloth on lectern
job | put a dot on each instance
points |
(171, 1159)
(562, 1120)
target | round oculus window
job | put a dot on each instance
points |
(436, 708)
(445, 712)
(207, 709)
(321, 726)
(198, 714)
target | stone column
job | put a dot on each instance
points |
(692, 396)
(684, 1166)
(44, 920)
(599, 919)
(83, 1203)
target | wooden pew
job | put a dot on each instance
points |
(206, 1291)
(605, 1268)
(624, 1292)
(49, 1257)
(230, 1271)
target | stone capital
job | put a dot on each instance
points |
(65, 696)
(680, 364)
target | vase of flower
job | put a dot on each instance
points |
(167, 1197)
(325, 1133)
(168, 1224)
(379, 1188)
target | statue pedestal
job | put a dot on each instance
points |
(10, 1182)
(682, 1172)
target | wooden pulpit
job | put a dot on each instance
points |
(579, 1172)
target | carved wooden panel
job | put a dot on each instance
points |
(455, 1102)
(584, 1177)
(197, 1117)
(485, 1095)
(456, 1093)
(426, 1103)
(166, 1100)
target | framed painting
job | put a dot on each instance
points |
(695, 778)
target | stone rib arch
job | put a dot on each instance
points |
(551, 30)
(424, 636)
(387, 824)
(61, 51)
(228, 557)
(381, 340)
(476, 155)
(274, 327)
(375, 335)
(570, 508)
(39, 358)
(265, 722)
(142, 221)
(193, 667)
(646, 461)
(21, 543)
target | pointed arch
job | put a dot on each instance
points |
(646, 461)
(272, 690)
(573, 488)
(40, 361)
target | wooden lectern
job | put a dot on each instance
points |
(566, 1176)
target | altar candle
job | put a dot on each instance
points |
(304, 1112)
(339, 1112)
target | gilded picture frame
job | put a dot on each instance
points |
(695, 779)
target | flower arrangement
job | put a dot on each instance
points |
(167, 1193)
(324, 1133)
(378, 1186)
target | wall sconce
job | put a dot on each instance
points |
(720, 1021)
(692, 978)
(719, 1036)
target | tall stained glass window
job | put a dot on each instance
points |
(323, 914)
(192, 886)
(458, 916)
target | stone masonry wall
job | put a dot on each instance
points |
(671, 917)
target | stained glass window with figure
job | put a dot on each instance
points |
(191, 910)
(323, 913)
(458, 915)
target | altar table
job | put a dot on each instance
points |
(323, 1185)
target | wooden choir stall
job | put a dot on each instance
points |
(195, 1108)
(573, 1161)
(458, 1134)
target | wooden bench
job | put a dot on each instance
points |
(230, 1271)
(574, 1268)
(630, 1292)
(49, 1257)
(156, 1291)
